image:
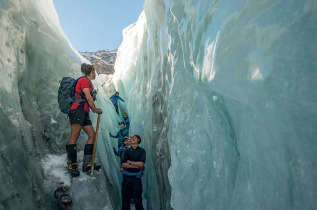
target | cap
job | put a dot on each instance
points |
(138, 137)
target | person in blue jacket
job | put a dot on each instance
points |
(114, 99)
(120, 135)
(126, 121)
(123, 147)
(127, 141)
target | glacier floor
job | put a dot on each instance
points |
(83, 188)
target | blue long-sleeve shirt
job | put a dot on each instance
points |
(127, 123)
(115, 99)
(120, 135)
(121, 150)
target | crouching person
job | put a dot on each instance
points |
(133, 166)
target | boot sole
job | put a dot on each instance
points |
(74, 175)
(89, 169)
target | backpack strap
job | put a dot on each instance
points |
(81, 94)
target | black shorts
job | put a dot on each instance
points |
(79, 116)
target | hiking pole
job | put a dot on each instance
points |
(95, 146)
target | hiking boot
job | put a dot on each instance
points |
(72, 160)
(73, 169)
(87, 168)
(87, 162)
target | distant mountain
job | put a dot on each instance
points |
(103, 60)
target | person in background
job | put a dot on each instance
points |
(122, 148)
(114, 99)
(120, 134)
(126, 121)
(130, 141)
(133, 166)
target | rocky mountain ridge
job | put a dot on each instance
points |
(103, 60)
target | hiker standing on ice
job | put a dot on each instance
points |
(123, 132)
(133, 166)
(114, 99)
(79, 119)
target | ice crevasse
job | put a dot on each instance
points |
(222, 93)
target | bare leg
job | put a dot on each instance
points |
(89, 130)
(75, 132)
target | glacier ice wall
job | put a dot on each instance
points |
(34, 56)
(223, 94)
(221, 91)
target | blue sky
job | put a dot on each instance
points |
(93, 25)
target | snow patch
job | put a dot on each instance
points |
(208, 71)
(55, 169)
(53, 121)
(255, 74)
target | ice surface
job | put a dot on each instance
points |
(88, 192)
(55, 170)
(34, 56)
(222, 93)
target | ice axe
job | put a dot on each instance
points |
(95, 146)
